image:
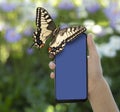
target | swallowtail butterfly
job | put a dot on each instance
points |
(46, 28)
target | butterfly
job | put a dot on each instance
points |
(46, 28)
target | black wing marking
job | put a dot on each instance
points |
(65, 35)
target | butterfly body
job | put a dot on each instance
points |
(46, 28)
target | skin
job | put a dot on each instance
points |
(99, 93)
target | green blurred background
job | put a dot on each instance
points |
(25, 85)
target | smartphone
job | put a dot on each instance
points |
(71, 71)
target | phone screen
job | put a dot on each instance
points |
(71, 71)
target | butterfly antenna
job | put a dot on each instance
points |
(32, 45)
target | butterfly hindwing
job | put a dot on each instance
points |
(65, 35)
(72, 32)
(45, 26)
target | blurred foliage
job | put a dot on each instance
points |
(25, 85)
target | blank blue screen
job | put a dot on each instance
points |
(71, 71)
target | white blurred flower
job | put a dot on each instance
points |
(89, 24)
(97, 29)
(2, 25)
(108, 30)
(107, 50)
(115, 42)
(101, 31)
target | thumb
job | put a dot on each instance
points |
(91, 47)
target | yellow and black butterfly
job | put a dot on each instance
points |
(46, 28)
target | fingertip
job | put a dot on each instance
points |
(52, 65)
(90, 35)
(90, 38)
(52, 75)
(91, 46)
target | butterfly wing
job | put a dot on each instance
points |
(64, 36)
(45, 27)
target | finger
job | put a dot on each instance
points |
(52, 65)
(91, 46)
(52, 75)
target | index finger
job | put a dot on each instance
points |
(91, 47)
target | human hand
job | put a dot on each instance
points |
(99, 93)
(94, 66)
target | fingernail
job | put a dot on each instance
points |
(52, 65)
(91, 35)
(52, 75)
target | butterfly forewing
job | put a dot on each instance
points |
(43, 19)
(45, 25)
